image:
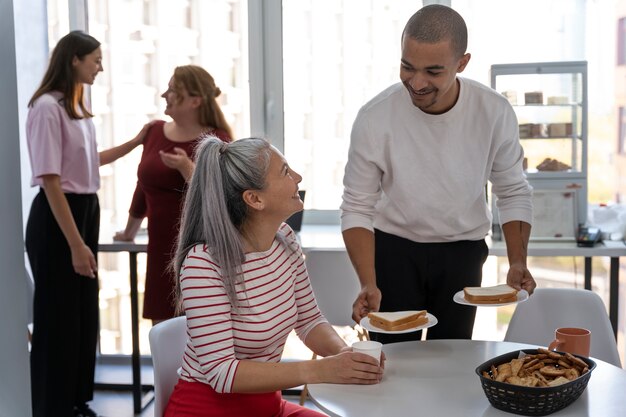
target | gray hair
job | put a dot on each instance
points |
(214, 210)
(435, 23)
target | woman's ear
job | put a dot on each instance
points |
(196, 101)
(253, 200)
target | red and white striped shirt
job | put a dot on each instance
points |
(275, 298)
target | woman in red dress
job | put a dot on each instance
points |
(166, 165)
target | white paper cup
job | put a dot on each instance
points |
(369, 347)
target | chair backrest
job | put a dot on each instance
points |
(167, 344)
(535, 320)
(334, 283)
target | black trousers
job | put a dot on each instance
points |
(425, 276)
(65, 316)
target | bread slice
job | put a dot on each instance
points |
(398, 320)
(497, 294)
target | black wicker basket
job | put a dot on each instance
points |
(530, 401)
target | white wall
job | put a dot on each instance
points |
(23, 48)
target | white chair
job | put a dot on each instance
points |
(167, 344)
(335, 285)
(535, 320)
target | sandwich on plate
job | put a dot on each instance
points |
(398, 320)
(498, 294)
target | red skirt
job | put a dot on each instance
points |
(195, 399)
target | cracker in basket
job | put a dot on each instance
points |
(516, 366)
(504, 371)
(536, 366)
(571, 374)
(529, 362)
(564, 363)
(576, 361)
(529, 381)
(551, 371)
(543, 382)
(558, 381)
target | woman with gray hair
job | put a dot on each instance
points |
(243, 286)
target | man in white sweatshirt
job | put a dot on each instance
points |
(414, 211)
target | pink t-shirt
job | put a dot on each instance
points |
(62, 146)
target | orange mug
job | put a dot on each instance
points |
(572, 339)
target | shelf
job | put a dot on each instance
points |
(547, 105)
(549, 137)
(569, 174)
(555, 130)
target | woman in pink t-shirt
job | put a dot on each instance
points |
(62, 229)
(243, 287)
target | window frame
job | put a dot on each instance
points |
(266, 85)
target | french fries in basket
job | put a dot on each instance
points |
(544, 369)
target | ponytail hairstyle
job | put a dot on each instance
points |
(214, 211)
(60, 75)
(199, 83)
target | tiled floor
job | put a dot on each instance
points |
(110, 403)
(117, 404)
(120, 404)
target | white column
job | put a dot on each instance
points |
(23, 47)
(266, 70)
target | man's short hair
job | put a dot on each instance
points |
(435, 23)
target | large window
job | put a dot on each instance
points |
(339, 54)
(334, 56)
(142, 42)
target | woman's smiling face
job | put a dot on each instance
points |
(178, 100)
(280, 194)
(87, 68)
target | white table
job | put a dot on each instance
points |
(329, 237)
(437, 378)
(612, 250)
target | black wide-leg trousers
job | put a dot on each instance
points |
(425, 276)
(65, 316)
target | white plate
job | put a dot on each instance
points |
(365, 323)
(459, 298)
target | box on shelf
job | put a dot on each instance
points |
(558, 100)
(533, 130)
(559, 129)
(533, 97)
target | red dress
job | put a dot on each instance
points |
(159, 197)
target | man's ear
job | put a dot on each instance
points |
(463, 62)
(253, 200)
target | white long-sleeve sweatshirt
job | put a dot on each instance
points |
(423, 177)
